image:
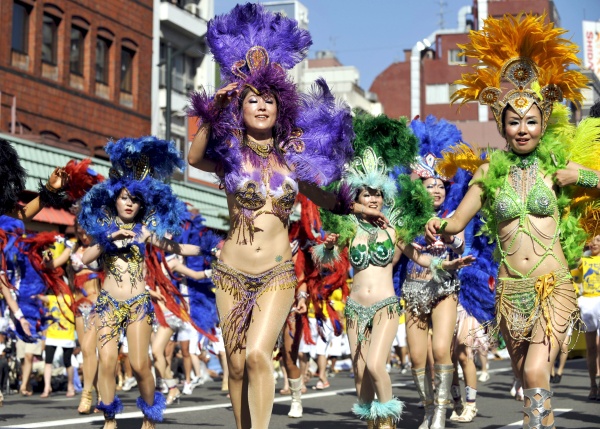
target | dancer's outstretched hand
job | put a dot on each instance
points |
(457, 264)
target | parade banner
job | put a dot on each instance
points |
(591, 46)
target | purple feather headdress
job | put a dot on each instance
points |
(254, 48)
(239, 40)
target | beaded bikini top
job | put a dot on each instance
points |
(377, 253)
(255, 185)
(540, 200)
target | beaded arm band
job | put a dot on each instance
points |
(438, 272)
(587, 179)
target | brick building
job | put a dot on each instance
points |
(433, 64)
(74, 73)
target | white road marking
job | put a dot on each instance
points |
(557, 412)
(138, 414)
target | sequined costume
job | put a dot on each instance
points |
(422, 295)
(246, 289)
(118, 315)
(363, 316)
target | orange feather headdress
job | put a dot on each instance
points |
(520, 49)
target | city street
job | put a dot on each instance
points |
(208, 407)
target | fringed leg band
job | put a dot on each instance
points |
(110, 410)
(153, 412)
(386, 414)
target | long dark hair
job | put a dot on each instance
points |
(12, 177)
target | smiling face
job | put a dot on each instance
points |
(523, 134)
(260, 114)
(595, 246)
(370, 197)
(437, 190)
(128, 206)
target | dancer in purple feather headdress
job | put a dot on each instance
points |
(266, 142)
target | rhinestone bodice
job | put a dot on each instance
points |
(378, 253)
(540, 201)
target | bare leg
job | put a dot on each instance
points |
(322, 368)
(159, 343)
(107, 364)
(26, 373)
(262, 336)
(365, 388)
(417, 337)
(382, 337)
(443, 319)
(138, 339)
(591, 355)
(238, 379)
(187, 360)
(47, 380)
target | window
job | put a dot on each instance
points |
(20, 28)
(454, 58)
(49, 37)
(126, 70)
(102, 48)
(77, 50)
(437, 94)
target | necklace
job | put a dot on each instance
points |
(371, 230)
(262, 150)
(527, 160)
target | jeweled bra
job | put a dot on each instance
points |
(377, 253)
(540, 201)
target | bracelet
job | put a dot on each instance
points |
(50, 196)
(19, 314)
(301, 295)
(587, 179)
(52, 188)
(443, 225)
(456, 243)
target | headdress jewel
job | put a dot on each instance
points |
(521, 49)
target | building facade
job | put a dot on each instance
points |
(433, 64)
(75, 73)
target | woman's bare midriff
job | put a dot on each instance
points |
(526, 252)
(270, 245)
(372, 285)
(123, 290)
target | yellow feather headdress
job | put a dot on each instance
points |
(520, 49)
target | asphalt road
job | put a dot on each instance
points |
(207, 407)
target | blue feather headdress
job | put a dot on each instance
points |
(434, 137)
(138, 165)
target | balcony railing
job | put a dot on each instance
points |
(190, 6)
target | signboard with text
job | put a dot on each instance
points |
(591, 46)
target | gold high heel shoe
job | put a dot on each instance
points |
(85, 403)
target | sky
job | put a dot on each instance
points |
(372, 34)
